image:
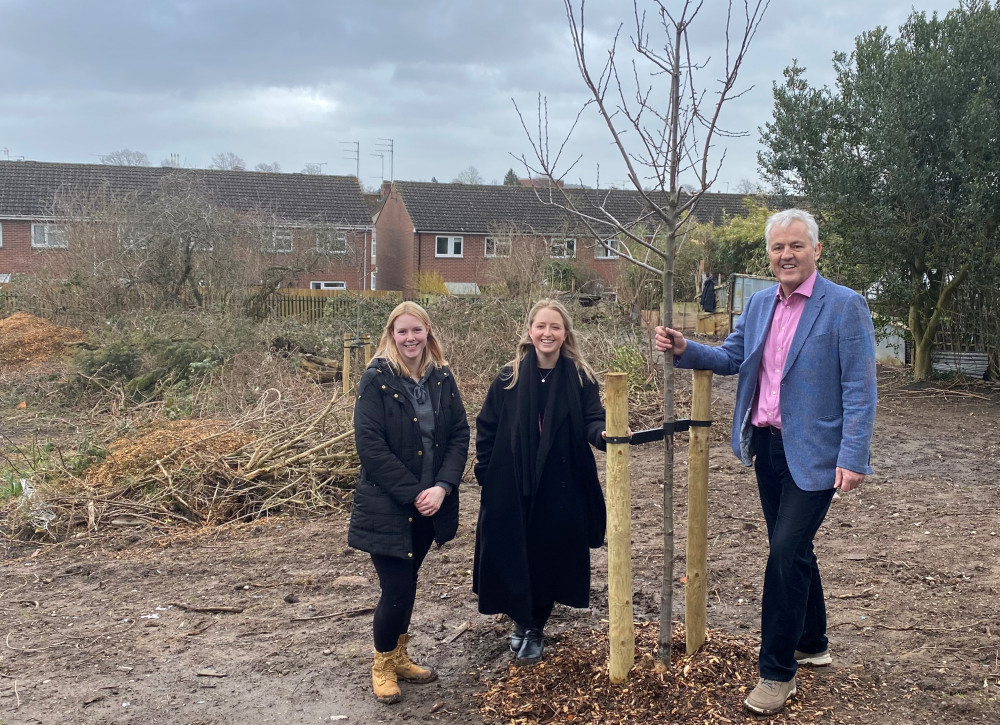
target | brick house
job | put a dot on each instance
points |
(296, 213)
(457, 230)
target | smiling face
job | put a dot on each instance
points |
(547, 333)
(793, 257)
(410, 336)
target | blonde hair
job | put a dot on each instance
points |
(569, 348)
(432, 354)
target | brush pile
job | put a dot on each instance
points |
(205, 473)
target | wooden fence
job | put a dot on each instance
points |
(308, 305)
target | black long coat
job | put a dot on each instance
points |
(543, 551)
(387, 435)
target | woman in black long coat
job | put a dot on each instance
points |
(412, 436)
(541, 507)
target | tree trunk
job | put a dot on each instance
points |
(664, 649)
(922, 359)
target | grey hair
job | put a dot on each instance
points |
(782, 219)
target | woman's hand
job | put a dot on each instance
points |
(429, 500)
(604, 433)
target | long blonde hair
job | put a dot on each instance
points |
(569, 347)
(432, 354)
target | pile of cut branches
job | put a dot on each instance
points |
(204, 472)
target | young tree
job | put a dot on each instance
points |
(125, 157)
(652, 94)
(227, 161)
(901, 159)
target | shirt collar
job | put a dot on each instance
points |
(805, 289)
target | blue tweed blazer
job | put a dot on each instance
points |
(828, 393)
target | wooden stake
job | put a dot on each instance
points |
(696, 588)
(347, 363)
(621, 630)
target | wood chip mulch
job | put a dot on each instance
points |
(133, 454)
(571, 685)
(25, 339)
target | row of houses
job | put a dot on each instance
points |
(457, 233)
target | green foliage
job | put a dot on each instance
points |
(566, 275)
(11, 485)
(629, 359)
(510, 178)
(737, 245)
(115, 361)
(151, 353)
(85, 455)
(901, 160)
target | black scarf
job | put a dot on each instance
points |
(532, 437)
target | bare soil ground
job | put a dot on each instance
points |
(270, 622)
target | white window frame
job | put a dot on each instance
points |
(48, 236)
(373, 246)
(373, 281)
(455, 246)
(603, 252)
(331, 241)
(327, 285)
(498, 244)
(5, 277)
(567, 245)
(280, 241)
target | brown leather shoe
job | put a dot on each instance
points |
(769, 696)
(406, 669)
(384, 683)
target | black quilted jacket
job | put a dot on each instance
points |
(389, 444)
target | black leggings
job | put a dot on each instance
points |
(398, 579)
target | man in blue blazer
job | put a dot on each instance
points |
(805, 410)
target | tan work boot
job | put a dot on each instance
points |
(406, 669)
(769, 696)
(384, 683)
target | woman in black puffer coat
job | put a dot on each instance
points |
(412, 436)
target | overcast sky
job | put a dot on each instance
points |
(299, 82)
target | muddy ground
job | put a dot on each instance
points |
(108, 630)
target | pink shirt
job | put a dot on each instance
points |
(787, 314)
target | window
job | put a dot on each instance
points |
(373, 280)
(373, 248)
(606, 252)
(4, 277)
(448, 247)
(563, 248)
(328, 285)
(497, 247)
(277, 240)
(48, 236)
(331, 241)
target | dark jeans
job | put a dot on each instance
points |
(793, 615)
(398, 579)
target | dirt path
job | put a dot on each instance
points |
(110, 633)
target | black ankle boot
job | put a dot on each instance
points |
(532, 648)
(516, 638)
